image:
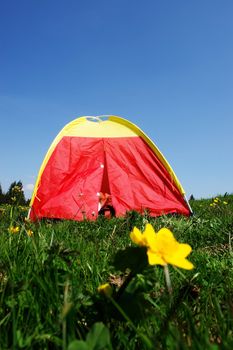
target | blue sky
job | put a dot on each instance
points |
(166, 65)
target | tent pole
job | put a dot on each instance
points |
(186, 200)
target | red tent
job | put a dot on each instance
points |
(98, 163)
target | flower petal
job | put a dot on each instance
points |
(149, 235)
(105, 289)
(165, 233)
(165, 242)
(182, 250)
(154, 259)
(180, 262)
(136, 236)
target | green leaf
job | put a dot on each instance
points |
(134, 258)
(99, 337)
(78, 345)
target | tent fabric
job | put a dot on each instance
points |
(95, 156)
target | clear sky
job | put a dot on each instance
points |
(166, 65)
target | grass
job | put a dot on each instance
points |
(49, 281)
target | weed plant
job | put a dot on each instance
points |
(50, 273)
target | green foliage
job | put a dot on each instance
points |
(134, 258)
(98, 338)
(49, 280)
(14, 195)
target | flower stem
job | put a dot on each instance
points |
(147, 342)
(167, 279)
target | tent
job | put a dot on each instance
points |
(105, 162)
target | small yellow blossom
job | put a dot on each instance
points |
(105, 289)
(225, 203)
(30, 233)
(162, 247)
(13, 229)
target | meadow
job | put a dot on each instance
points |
(51, 273)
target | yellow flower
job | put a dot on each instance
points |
(225, 203)
(162, 247)
(105, 289)
(13, 229)
(216, 200)
(29, 233)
